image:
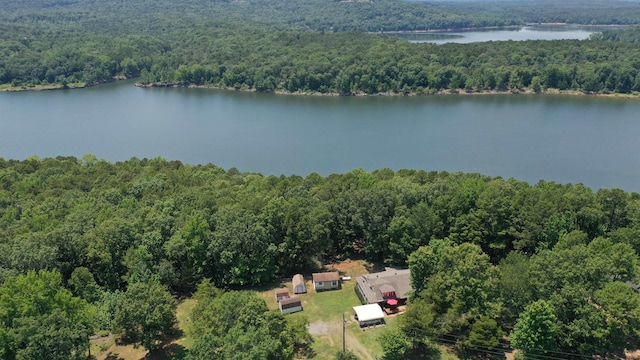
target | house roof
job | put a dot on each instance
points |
(369, 312)
(282, 292)
(385, 288)
(292, 300)
(326, 276)
(373, 285)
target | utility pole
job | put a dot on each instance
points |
(344, 343)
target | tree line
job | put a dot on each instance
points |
(355, 63)
(585, 12)
(101, 235)
(344, 63)
(76, 43)
(629, 34)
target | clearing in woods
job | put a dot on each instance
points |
(324, 311)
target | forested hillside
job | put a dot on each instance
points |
(109, 232)
(587, 12)
(266, 45)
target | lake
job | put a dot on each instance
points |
(567, 139)
(531, 32)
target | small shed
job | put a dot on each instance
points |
(370, 314)
(326, 281)
(299, 286)
(282, 294)
(290, 305)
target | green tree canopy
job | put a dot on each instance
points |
(536, 329)
(145, 313)
(238, 325)
(41, 319)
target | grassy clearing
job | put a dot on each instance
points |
(184, 322)
(324, 311)
(122, 352)
(99, 345)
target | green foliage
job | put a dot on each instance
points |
(395, 345)
(241, 249)
(188, 251)
(51, 336)
(106, 310)
(424, 263)
(536, 329)
(142, 221)
(265, 46)
(590, 12)
(514, 286)
(628, 34)
(345, 355)
(419, 323)
(463, 287)
(40, 319)
(297, 326)
(145, 313)
(621, 304)
(84, 285)
(238, 325)
(485, 333)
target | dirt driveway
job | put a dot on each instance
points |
(322, 328)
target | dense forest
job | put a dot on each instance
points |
(629, 34)
(587, 12)
(301, 47)
(85, 244)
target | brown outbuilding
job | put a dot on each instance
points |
(282, 294)
(326, 281)
(290, 305)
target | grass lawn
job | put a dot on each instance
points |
(324, 311)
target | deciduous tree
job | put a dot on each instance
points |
(145, 313)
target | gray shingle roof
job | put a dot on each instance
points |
(373, 285)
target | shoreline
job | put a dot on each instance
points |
(72, 86)
(448, 92)
(457, 92)
(44, 87)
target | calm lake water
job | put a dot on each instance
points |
(533, 32)
(590, 140)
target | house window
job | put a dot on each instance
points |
(334, 283)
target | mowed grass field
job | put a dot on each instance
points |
(324, 311)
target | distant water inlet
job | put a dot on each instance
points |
(567, 139)
(530, 32)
